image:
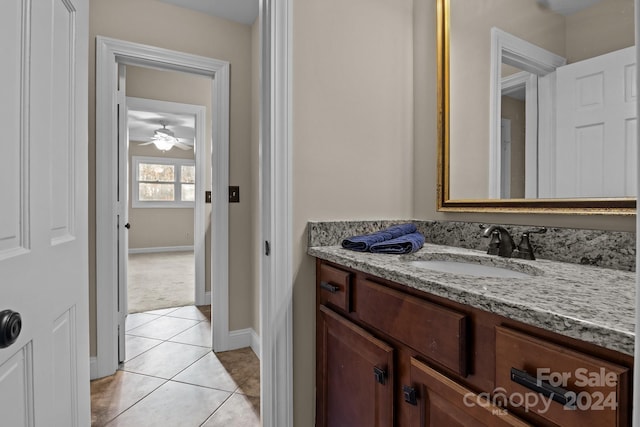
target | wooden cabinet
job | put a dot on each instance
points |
(444, 402)
(357, 375)
(389, 355)
(561, 386)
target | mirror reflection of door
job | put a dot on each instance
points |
(505, 167)
(595, 135)
(519, 108)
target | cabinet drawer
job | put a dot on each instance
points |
(436, 332)
(588, 391)
(334, 287)
(444, 402)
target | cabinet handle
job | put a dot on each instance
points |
(409, 394)
(380, 375)
(558, 394)
(329, 287)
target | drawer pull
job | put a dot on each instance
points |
(380, 375)
(329, 287)
(558, 394)
(409, 394)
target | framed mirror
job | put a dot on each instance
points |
(537, 106)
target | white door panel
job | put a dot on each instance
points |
(14, 71)
(15, 389)
(123, 211)
(44, 374)
(596, 107)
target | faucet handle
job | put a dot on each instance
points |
(524, 249)
(540, 230)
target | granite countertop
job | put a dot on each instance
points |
(588, 303)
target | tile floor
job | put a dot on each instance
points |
(172, 378)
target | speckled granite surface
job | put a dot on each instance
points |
(599, 248)
(584, 302)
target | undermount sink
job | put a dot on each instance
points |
(469, 269)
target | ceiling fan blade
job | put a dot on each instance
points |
(183, 146)
(146, 143)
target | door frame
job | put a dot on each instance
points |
(511, 50)
(199, 111)
(276, 204)
(109, 53)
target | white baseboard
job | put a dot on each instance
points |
(160, 249)
(93, 368)
(206, 300)
(244, 338)
(255, 343)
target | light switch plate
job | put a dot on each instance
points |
(234, 194)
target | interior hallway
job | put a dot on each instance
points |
(160, 280)
(172, 378)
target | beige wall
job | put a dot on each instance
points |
(352, 138)
(604, 27)
(158, 227)
(200, 34)
(514, 110)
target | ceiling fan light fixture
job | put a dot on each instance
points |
(163, 144)
(163, 138)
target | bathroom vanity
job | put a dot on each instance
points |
(402, 341)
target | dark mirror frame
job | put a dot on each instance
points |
(596, 206)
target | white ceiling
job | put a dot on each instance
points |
(143, 123)
(242, 11)
(567, 7)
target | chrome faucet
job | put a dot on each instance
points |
(501, 242)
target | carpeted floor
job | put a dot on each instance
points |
(160, 280)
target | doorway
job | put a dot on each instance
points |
(110, 101)
(166, 238)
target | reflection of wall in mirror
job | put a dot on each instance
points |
(471, 22)
(514, 110)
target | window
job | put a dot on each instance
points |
(160, 182)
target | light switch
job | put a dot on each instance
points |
(234, 194)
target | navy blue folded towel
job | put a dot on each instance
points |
(400, 245)
(364, 242)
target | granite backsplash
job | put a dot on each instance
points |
(608, 249)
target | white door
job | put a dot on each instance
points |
(505, 159)
(123, 210)
(596, 127)
(44, 373)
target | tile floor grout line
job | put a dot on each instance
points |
(187, 367)
(165, 381)
(149, 349)
(216, 410)
(139, 400)
(162, 339)
(142, 324)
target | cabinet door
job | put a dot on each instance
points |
(355, 375)
(443, 402)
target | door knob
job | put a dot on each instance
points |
(127, 226)
(10, 327)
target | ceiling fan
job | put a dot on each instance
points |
(164, 139)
